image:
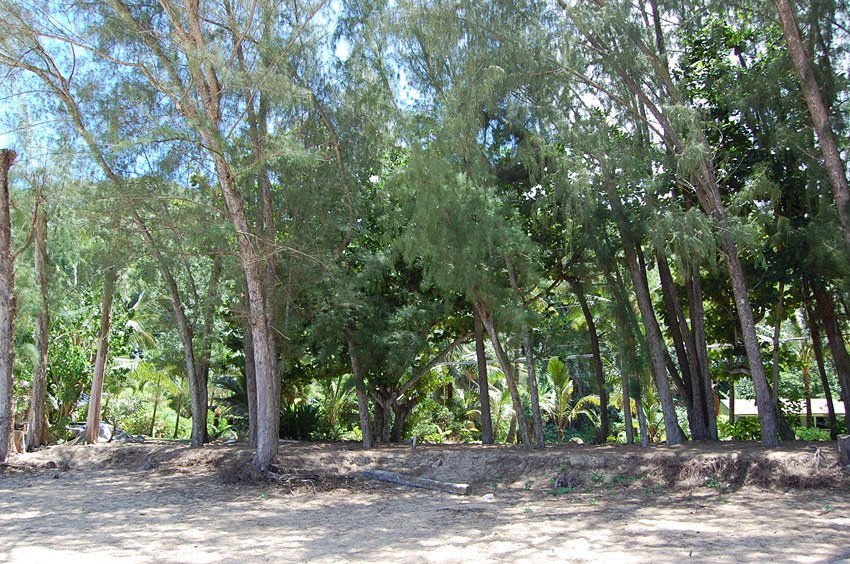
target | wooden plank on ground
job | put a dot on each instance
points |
(414, 482)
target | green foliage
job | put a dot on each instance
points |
(744, 429)
(300, 422)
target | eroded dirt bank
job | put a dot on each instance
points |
(168, 503)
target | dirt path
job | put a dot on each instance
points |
(166, 504)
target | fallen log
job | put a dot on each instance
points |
(414, 482)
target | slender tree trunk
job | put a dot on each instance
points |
(177, 419)
(529, 359)
(7, 308)
(604, 425)
(483, 384)
(693, 392)
(360, 389)
(626, 393)
(202, 370)
(807, 392)
(820, 116)
(814, 333)
(155, 406)
(654, 339)
(777, 326)
(697, 316)
(250, 377)
(96, 395)
(766, 407)
(825, 308)
(505, 365)
(37, 429)
(641, 417)
(731, 400)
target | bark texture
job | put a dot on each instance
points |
(820, 115)
(604, 425)
(825, 309)
(483, 383)
(96, 393)
(37, 429)
(7, 308)
(507, 369)
(360, 390)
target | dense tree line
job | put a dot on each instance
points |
(406, 212)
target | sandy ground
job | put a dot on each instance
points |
(166, 503)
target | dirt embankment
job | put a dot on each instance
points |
(728, 465)
(147, 503)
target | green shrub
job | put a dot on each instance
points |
(744, 429)
(300, 421)
(809, 434)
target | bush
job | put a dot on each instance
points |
(810, 434)
(300, 422)
(744, 429)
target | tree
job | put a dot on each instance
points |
(7, 307)
(820, 115)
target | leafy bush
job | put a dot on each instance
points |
(809, 434)
(744, 429)
(300, 421)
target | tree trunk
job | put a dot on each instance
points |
(533, 391)
(696, 401)
(820, 116)
(37, 429)
(250, 376)
(202, 360)
(360, 389)
(731, 400)
(785, 430)
(483, 384)
(7, 308)
(641, 417)
(807, 395)
(697, 315)
(777, 326)
(604, 425)
(766, 407)
(265, 363)
(814, 333)
(177, 419)
(96, 395)
(505, 365)
(654, 339)
(825, 308)
(155, 406)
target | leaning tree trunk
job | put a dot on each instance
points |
(37, 429)
(533, 391)
(604, 424)
(654, 339)
(693, 391)
(96, 395)
(697, 316)
(825, 308)
(507, 369)
(820, 116)
(814, 333)
(483, 384)
(360, 390)
(7, 307)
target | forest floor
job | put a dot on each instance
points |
(164, 502)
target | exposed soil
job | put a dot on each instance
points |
(161, 502)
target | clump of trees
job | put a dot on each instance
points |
(502, 221)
